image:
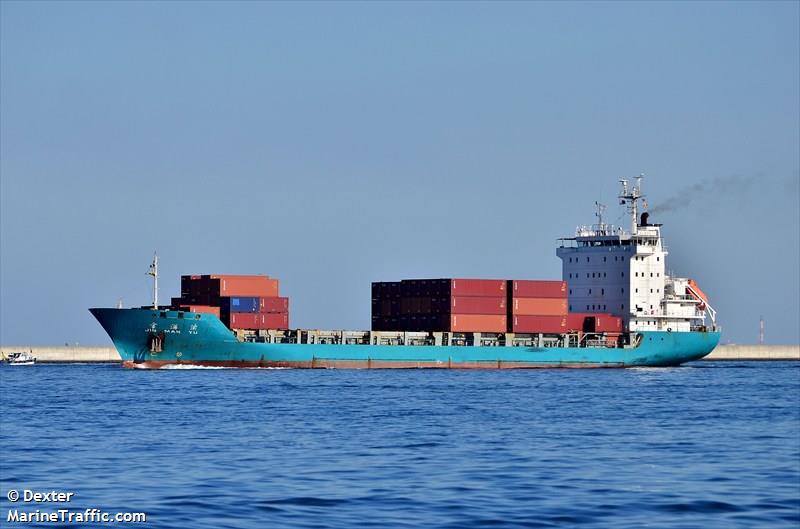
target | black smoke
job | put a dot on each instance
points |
(703, 192)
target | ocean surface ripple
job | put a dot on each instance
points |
(711, 445)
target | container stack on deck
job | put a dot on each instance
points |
(440, 305)
(482, 305)
(478, 305)
(386, 306)
(538, 307)
(242, 302)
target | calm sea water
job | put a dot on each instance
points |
(707, 445)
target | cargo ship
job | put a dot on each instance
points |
(615, 306)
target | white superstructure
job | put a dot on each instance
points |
(610, 270)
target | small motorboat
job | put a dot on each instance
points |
(20, 359)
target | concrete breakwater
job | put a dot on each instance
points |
(755, 352)
(48, 354)
(63, 354)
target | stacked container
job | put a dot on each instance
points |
(205, 309)
(386, 306)
(594, 322)
(241, 302)
(452, 305)
(538, 307)
(482, 305)
(256, 321)
(478, 305)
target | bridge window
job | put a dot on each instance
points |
(587, 259)
(590, 291)
(602, 291)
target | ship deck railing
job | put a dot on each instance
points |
(399, 338)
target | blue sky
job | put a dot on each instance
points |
(335, 144)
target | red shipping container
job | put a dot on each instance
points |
(539, 324)
(203, 309)
(607, 323)
(539, 307)
(252, 320)
(477, 305)
(478, 287)
(278, 320)
(576, 321)
(477, 323)
(245, 286)
(244, 320)
(274, 304)
(526, 288)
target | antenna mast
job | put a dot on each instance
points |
(153, 271)
(601, 209)
(630, 197)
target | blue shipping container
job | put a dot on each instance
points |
(239, 304)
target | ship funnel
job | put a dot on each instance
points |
(645, 216)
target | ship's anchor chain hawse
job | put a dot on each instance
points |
(155, 342)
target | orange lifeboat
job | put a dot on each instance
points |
(698, 294)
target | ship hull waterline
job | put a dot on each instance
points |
(203, 340)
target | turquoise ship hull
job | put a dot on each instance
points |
(202, 339)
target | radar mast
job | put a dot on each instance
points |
(629, 197)
(153, 271)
